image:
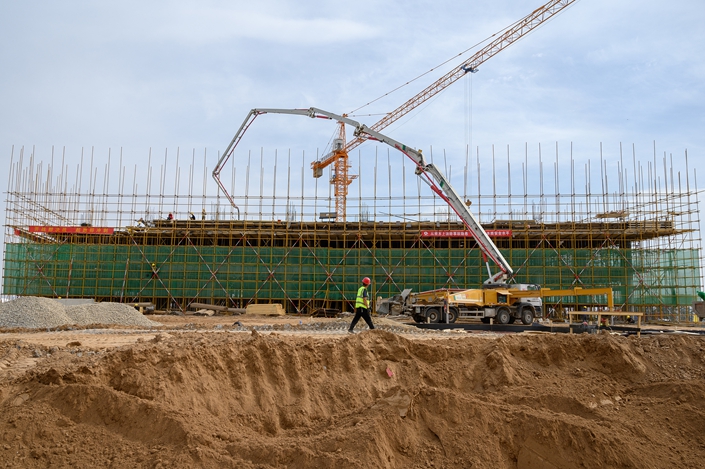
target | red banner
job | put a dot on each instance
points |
(464, 234)
(71, 229)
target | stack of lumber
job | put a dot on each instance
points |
(272, 309)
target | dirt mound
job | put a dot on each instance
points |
(374, 399)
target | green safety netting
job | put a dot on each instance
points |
(638, 276)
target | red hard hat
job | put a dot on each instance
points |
(366, 281)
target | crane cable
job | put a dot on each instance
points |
(468, 113)
(434, 68)
(445, 62)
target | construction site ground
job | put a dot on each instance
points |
(297, 392)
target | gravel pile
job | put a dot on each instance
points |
(32, 313)
(43, 313)
(107, 313)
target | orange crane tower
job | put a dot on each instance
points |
(341, 177)
(339, 155)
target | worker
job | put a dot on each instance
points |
(191, 216)
(203, 214)
(170, 217)
(362, 306)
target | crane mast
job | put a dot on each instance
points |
(340, 178)
(512, 34)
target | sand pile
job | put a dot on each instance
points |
(374, 399)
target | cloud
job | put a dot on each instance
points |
(214, 25)
(195, 24)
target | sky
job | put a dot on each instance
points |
(135, 75)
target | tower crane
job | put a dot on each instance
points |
(341, 177)
(339, 155)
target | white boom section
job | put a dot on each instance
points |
(427, 172)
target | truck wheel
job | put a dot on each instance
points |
(503, 315)
(527, 315)
(433, 315)
(452, 315)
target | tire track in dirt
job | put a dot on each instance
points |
(14, 367)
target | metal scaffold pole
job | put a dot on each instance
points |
(634, 227)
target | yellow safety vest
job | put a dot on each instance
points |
(360, 301)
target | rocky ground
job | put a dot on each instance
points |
(299, 392)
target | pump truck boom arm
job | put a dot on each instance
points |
(438, 183)
(426, 171)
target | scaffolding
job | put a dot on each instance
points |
(630, 226)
